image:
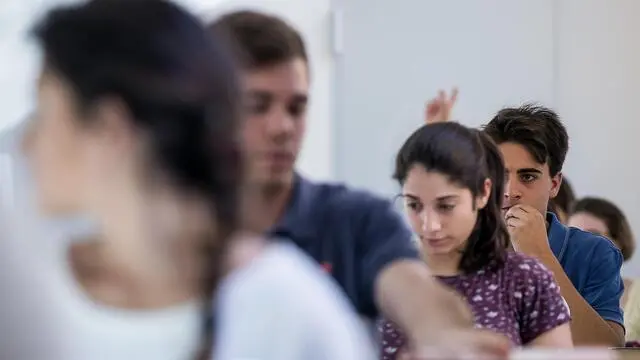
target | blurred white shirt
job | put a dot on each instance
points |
(283, 307)
(44, 314)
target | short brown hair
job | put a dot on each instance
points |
(619, 228)
(260, 40)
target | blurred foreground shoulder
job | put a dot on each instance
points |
(283, 307)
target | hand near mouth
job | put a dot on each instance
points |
(528, 230)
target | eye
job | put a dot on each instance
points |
(446, 207)
(413, 205)
(527, 178)
(297, 108)
(258, 106)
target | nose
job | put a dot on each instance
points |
(512, 191)
(280, 124)
(430, 222)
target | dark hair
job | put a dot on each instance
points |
(617, 224)
(536, 128)
(180, 87)
(565, 198)
(260, 40)
(467, 157)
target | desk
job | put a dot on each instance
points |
(627, 353)
(580, 353)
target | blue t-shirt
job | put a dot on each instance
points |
(352, 234)
(593, 264)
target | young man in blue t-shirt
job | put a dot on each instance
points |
(534, 144)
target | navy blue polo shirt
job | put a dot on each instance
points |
(593, 264)
(352, 234)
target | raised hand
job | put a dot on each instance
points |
(439, 108)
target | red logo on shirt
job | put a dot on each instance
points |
(327, 267)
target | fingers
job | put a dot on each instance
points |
(403, 355)
(454, 96)
(514, 221)
(439, 108)
(494, 345)
(524, 208)
(512, 212)
(466, 345)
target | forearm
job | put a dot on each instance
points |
(587, 326)
(411, 297)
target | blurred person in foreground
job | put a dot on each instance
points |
(137, 126)
(358, 238)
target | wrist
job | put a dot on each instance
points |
(453, 314)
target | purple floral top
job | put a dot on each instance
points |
(521, 300)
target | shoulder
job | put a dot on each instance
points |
(286, 289)
(281, 276)
(594, 247)
(339, 197)
(527, 270)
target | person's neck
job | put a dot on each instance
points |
(443, 264)
(267, 204)
(142, 245)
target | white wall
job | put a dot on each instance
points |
(398, 53)
(312, 17)
(598, 84)
(580, 56)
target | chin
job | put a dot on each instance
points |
(51, 207)
(440, 249)
(278, 177)
(439, 252)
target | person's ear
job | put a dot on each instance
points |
(483, 200)
(556, 181)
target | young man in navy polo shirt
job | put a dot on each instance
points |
(356, 237)
(534, 144)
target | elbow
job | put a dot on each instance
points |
(619, 341)
(618, 334)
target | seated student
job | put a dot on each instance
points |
(534, 144)
(602, 217)
(452, 182)
(356, 237)
(562, 204)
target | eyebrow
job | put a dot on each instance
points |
(259, 94)
(527, 171)
(265, 94)
(439, 198)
